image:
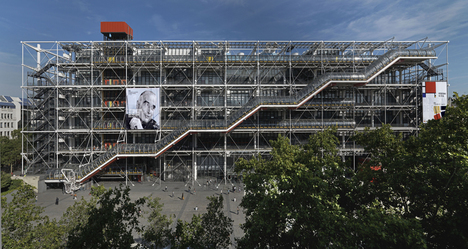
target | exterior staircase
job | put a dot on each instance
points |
(84, 172)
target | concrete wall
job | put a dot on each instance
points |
(35, 181)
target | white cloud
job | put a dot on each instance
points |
(404, 21)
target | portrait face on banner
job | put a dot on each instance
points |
(143, 109)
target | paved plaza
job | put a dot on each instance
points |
(194, 201)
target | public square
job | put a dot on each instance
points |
(194, 201)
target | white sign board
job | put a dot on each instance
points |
(434, 100)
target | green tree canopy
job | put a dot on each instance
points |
(427, 179)
(305, 197)
(209, 230)
(110, 223)
(6, 180)
(24, 226)
(158, 233)
(10, 149)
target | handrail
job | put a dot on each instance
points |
(85, 171)
(115, 59)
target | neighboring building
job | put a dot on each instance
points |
(10, 114)
(199, 106)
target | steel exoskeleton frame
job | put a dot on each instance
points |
(78, 89)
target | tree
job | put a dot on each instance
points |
(158, 232)
(305, 197)
(426, 179)
(77, 215)
(187, 234)
(110, 223)
(289, 197)
(217, 227)
(10, 149)
(6, 181)
(24, 226)
(210, 230)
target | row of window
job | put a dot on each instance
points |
(5, 133)
(6, 116)
(6, 125)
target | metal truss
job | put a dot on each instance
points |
(79, 95)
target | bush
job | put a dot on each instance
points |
(6, 181)
(15, 184)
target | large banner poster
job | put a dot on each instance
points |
(434, 100)
(142, 110)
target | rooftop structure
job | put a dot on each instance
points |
(184, 110)
(114, 31)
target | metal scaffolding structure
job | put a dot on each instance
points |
(219, 101)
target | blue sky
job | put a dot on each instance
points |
(332, 20)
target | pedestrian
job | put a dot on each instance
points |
(234, 199)
(172, 193)
(165, 189)
(36, 198)
(57, 201)
(182, 196)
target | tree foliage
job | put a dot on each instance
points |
(187, 234)
(10, 149)
(217, 227)
(24, 226)
(304, 197)
(426, 179)
(6, 181)
(110, 223)
(210, 230)
(77, 216)
(158, 233)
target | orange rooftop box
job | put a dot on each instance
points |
(116, 28)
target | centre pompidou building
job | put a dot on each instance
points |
(185, 110)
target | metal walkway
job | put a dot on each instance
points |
(86, 171)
